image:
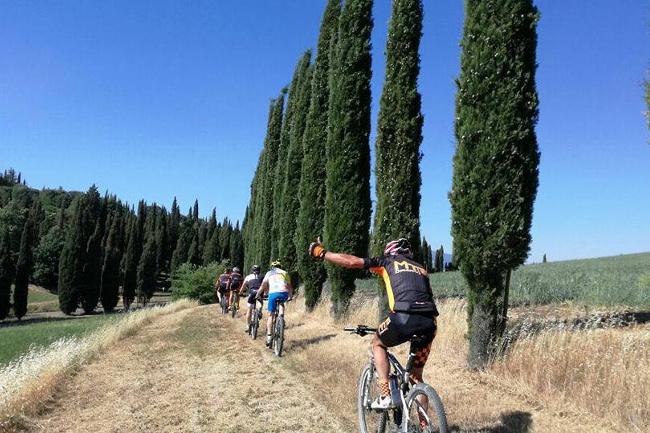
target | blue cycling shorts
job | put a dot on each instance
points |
(274, 298)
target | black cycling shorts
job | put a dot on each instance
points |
(251, 297)
(400, 327)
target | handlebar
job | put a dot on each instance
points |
(361, 330)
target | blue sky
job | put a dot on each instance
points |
(151, 99)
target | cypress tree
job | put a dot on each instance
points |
(6, 272)
(173, 229)
(131, 265)
(24, 268)
(399, 134)
(290, 201)
(212, 250)
(288, 124)
(162, 265)
(110, 280)
(236, 247)
(92, 271)
(264, 232)
(72, 261)
(194, 252)
(496, 162)
(146, 272)
(183, 245)
(224, 240)
(425, 256)
(429, 253)
(544, 259)
(347, 201)
(311, 192)
(441, 258)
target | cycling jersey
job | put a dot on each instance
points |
(236, 280)
(278, 281)
(222, 282)
(253, 282)
(407, 284)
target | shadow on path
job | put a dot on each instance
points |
(509, 422)
(305, 342)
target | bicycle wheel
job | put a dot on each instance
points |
(426, 412)
(255, 324)
(278, 341)
(234, 306)
(370, 421)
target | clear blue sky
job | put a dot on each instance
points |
(151, 99)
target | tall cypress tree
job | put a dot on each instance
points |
(290, 202)
(291, 114)
(24, 267)
(173, 229)
(236, 247)
(111, 265)
(399, 134)
(6, 272)
(496, 162)
(194, 252)
(347, 201)
(71, 264)
(264, 233)
(311, 192)
(130, 265)
(146, 272)
(162, 266)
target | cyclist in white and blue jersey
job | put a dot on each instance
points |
(278, 285)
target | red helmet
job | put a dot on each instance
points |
(399, 246)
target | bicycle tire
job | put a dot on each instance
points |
(422, 389)
(234, 306)
(366, 382)
(255, 324)
(278, 341)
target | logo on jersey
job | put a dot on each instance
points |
(408, 267)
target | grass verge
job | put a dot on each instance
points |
(32, 379)
(19, 338)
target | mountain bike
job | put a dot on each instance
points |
(421, 403)
(224, 303)
(234, 305)
(256, 316)
(277, 325)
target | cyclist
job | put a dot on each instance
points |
(278, 285)
(412, 309)
(252, 283)
(234, 285)
(221, 285)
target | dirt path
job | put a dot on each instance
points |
(178, 375)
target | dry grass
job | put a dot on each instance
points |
(25, 384)
(603, 371)
(563, 380)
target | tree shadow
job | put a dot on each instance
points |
(305, 342)
(509, 422)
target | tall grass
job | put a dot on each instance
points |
(601, 372)
(33, 378)
(607, 281)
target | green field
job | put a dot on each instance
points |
(606, 281)
(17, 338)
(37, 294)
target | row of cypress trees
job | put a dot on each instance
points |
(96, 248)
(495, 166)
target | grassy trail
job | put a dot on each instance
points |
(192, 371)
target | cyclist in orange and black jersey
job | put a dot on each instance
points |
(412, 308)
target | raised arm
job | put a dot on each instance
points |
(317, 251)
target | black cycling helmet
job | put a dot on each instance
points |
(236, 270)
(399, 246)
(255, 269)
(228, 270)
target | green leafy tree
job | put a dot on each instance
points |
(311, 191)
(7, 272)
(399, 135)
(347, 201)
(496, 162)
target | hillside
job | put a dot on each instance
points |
(604, 281)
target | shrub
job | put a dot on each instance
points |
(196, 282)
